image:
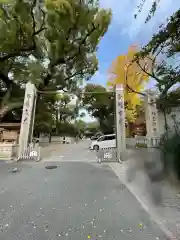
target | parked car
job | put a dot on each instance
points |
(106, 141)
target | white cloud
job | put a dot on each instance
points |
(123, 16)
(99, 77)
(87, 118)
(122, 12)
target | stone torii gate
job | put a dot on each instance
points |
(151, 114)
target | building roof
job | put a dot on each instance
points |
(10, 125)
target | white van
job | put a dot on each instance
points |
(106, 141)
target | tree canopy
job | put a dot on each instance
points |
(55, 113)
(100, 104)
(152, 11)
(164, 47)
(50, 43)
(124, 70)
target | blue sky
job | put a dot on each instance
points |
(125, 30)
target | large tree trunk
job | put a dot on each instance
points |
(8, 107)
(50, 137)
(3, 112)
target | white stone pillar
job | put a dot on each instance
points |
(151, 115)
(33, 117)
(120, 123)
(26, 120)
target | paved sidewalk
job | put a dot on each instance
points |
(167, 214)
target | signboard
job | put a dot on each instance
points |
(108, 155)
(120, 108)
(154, 121)
(33, 154)
(151, 113)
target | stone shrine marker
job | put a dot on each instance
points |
(27, 121)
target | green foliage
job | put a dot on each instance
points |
(80, 127)
(52, 44)
(172, 99)
(100, 104)
(67, 129)
(92, 129)
(164, 48)
(170, 147)
(45, 109)
(167, 38)
(53, 111)
(4, 1)
(151, 12)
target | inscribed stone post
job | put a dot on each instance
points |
(151, 114)
(27, 122)
(120, 122)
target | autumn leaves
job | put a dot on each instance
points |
(127, 71)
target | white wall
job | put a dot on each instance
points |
(55, 139)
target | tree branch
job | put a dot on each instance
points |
(32, 16)
(73, 75)
(5, 14)
(42, 27)
(32, 47)
(127, 85)
(148, 73)
(63, 60)
(134, 91)
(8, 107)
(17, 53)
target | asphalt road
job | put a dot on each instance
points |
(77, 200)
(74, 152)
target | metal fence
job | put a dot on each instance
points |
(56, 139)
(33, 152)
(110, 154)
(142, 141)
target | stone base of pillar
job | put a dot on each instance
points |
(124, 155)
(152, 141)
(8, 151)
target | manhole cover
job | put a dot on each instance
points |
(51, 167)
(14, 170)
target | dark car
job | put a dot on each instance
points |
(95, 137)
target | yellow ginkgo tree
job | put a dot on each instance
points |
(124, 70)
